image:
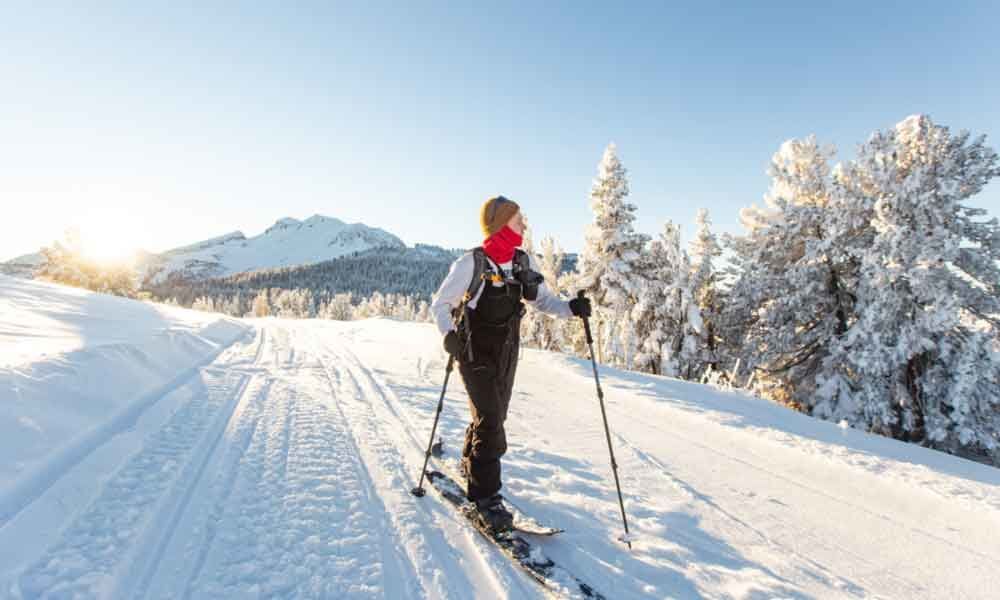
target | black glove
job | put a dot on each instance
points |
(452, 343)
(580, 307)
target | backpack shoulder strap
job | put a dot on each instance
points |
(478, 269)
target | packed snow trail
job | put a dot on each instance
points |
(253, 486)
(269, 472)
(279, 465)
(729, 496)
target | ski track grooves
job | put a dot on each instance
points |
(186, 487)
(661, 470)
(912, 588)
(44, 476)
(89, 552)
(834, 498)
(503, 577)
(390, 554)
(408, 514)
(246, 429)
(294, 512)
(174, 509)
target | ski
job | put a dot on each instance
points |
(522, 522)
(514, 545)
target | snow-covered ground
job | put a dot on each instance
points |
(162, 453)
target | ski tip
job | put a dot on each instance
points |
(532, 529)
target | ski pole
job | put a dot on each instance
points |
(419, 490)
(607, 430)
(460, 321)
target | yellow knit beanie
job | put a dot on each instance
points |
(495, 213)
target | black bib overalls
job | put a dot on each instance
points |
(494, 326)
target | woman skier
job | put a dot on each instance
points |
(488, 285)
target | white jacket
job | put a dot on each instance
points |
(456, 283)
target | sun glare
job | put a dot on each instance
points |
(108, 251)
(107, 246)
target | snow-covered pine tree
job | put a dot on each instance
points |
(527, 237)
(340, 307)
(551, 262)
(542, 330)
(423, 312)
(793, 292)
(610, 261)
(677, 303)
(62, 262)
(118, 279)
(204, 303)
(305, 303)
(650, 312)
(701, 346)
(929, 294)
(261, 304)
(573, 335)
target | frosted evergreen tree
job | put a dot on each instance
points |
(340, 307)
(118, 279)
(63, 262)
(650, 312)
(261, 305)
(424, 312)
(204, 303)
(677, 303)
(550, 262)
(701, 346)
(527, 238)
(793, 295)
(572, 332)
(304, 303)
(610, 261)
(930, 288)
(540, 330)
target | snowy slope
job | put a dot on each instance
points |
(281, 468)
(73, 362)
(288, 242)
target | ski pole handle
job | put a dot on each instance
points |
(586, 322)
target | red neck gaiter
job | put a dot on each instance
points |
(501, 245)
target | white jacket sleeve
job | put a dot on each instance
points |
(547, 302)
(449, 294)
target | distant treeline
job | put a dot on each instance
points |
(414, 272)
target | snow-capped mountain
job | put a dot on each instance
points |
(286, 243)
(22, 266)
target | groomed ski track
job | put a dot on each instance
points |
(282, 469)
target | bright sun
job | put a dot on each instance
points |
(107, 250)
(107, 244)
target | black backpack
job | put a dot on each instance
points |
(479, 275)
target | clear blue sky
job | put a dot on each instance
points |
(161, 125)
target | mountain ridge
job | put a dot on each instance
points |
(288, 242)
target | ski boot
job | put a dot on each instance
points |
(493, 514)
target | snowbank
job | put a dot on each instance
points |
(76, 366)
